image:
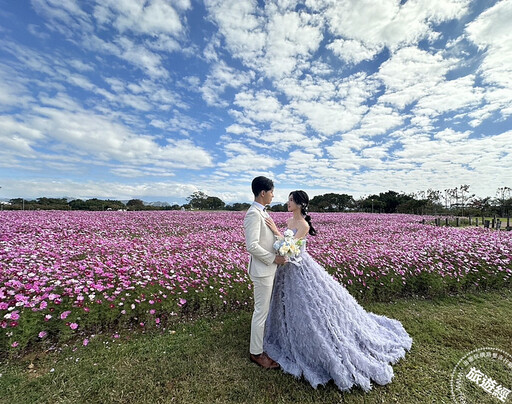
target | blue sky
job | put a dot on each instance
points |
(156, 99)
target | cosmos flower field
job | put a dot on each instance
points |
(70, 274)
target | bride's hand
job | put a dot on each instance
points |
(270, 223)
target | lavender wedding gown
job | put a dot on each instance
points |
(316, 329)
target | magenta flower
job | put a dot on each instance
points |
(86, 342)
(42, 334)
(73, 326)
(65, 314)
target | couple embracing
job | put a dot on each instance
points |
(304, 321)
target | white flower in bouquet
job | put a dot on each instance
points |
(289, 246)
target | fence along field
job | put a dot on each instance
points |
(72, 274)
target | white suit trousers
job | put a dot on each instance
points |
(262, 287)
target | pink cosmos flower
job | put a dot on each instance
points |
(73, 326)
(42, 334)
(86, 341)
(182, 302)
(14, 344)
(65, 315)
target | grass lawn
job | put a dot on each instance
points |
(206, 361)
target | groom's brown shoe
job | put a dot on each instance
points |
(264, 361)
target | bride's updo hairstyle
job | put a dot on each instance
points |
(302, 199)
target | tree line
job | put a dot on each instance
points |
(456, 201)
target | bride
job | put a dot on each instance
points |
(316, 329)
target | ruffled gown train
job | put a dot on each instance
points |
(316, 329)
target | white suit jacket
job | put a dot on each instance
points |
(259, 241)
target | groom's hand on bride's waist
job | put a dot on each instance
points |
(280, 260)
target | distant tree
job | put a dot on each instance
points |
(135, 204)
(18, 203)
(480, 206)
(331, 202)
(464, 196)
(503, 195)
(413, 206)
(237, 206)
(51, 203)
(214, 203)
(370, 204)
(78, 204)
(391, 200)
(198, 200)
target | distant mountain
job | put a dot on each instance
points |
(157, 204)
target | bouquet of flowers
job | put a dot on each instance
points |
(289, 246)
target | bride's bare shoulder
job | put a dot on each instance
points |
(304, 225)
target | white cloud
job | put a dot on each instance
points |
(13, 90)
(329, 117)
(65, 16)
(84, 133)
(261, 106)
(181, 123)
(410, 74)
(221, 77)
(352, 51)
(491, 33)
(81, 65)
(291, 39)
(153, 17)
(241, 25)
(379, 120)
(450, 96)
(241, 158)
(274, 41)
(37, 187)
(375, 25)
(307, 88)
(141, 57)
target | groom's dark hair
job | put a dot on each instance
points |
(261, 184)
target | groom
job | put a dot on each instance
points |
(259, 240)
